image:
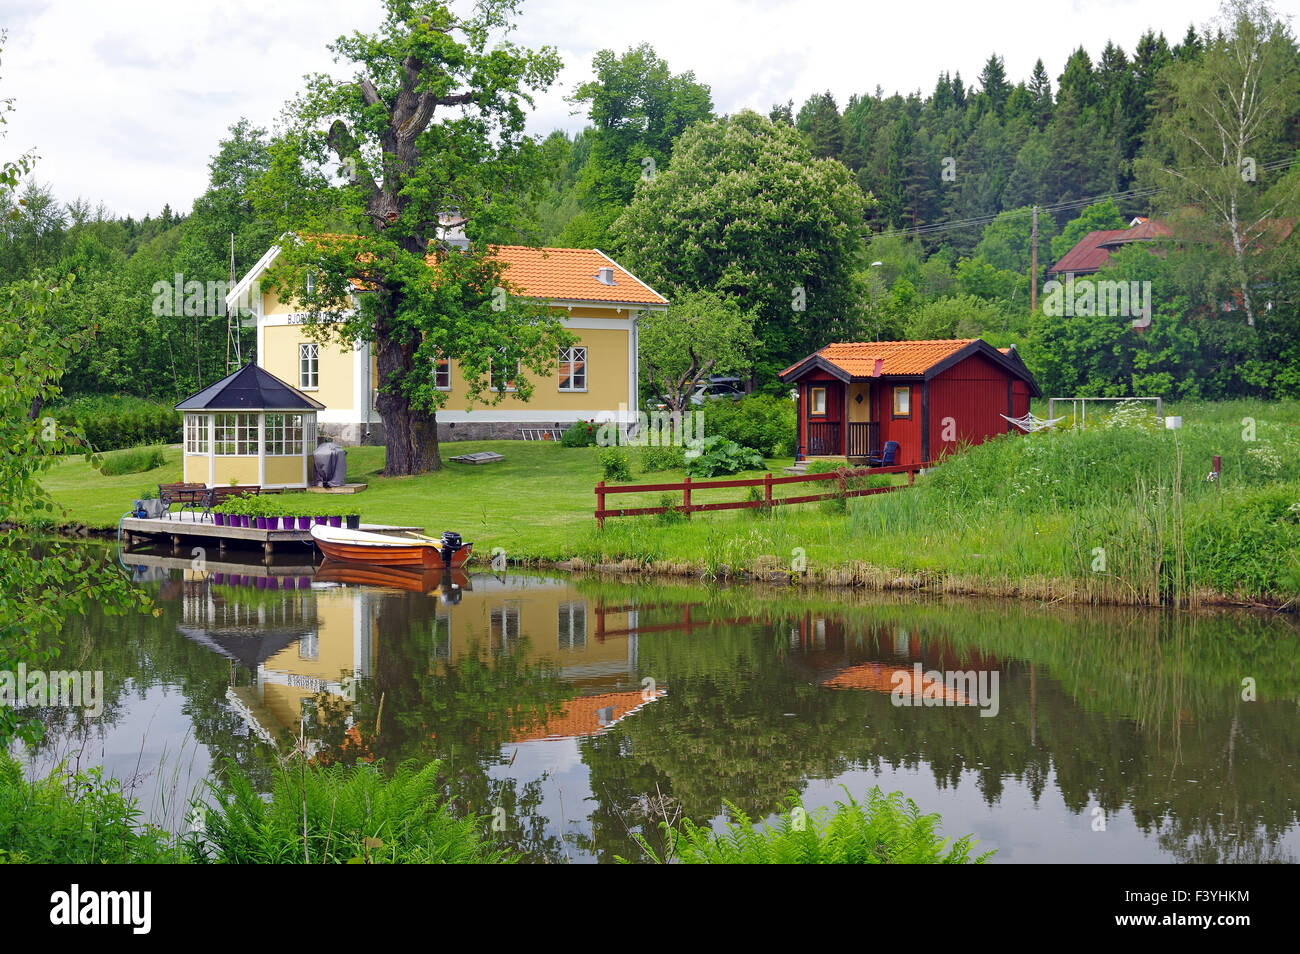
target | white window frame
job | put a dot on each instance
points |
(196, 434)
(509, 388)
(505, 623)
(439, 372)
(308, 366)
(571, 625)
(285, 435)
(576, 359)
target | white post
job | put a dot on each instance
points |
(261, 449)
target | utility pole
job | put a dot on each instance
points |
(233, 319)
(1033, 267)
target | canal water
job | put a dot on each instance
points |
(578, 711)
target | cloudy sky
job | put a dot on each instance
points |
(125, 101)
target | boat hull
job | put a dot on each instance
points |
(415, 579)
(426, 556)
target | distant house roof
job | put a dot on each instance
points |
(1094, 249)
(858, 360)
(251, 388)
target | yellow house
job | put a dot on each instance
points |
(596, 298)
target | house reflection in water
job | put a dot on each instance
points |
(302, 637)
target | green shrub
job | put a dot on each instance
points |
(720, 456)
(76, 819)
(671, 515)
(888, 829)
(111, 422)
(580, 434)
(349, 814)
(761, 422)
(614, 464)
(134, 461)
(662, 458)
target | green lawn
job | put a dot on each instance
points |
(1021, 516)
(535, 503)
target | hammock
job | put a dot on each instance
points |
(1029, 423)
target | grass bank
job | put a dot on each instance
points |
(1119, 512)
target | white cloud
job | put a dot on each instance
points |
(126, 102)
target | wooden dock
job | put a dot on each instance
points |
(179, 529)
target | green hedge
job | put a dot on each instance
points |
(115, 422)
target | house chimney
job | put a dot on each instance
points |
(878, 367)
(605, 276)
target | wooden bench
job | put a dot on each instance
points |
(216, 496)
(185, 494)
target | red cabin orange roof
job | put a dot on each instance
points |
(859, 359)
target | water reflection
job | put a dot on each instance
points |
(586, 709)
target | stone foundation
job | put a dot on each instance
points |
(352, 435)
(490, 430)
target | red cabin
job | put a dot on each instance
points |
(930, 396)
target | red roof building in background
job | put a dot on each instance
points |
(1093, 251)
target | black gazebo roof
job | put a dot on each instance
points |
(251, 388)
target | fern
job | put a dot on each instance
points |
(888, 829)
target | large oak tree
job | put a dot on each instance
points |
(429, 129)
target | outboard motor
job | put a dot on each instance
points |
(449, 592)
(451, 545)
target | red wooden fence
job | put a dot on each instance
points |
(767, 482)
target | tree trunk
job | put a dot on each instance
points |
(410, 433)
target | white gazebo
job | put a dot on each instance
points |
(250, 428)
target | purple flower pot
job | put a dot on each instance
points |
(261, 522)
(219, 519)
(261, 582)
(336, 521)
(320, 521)
(243, 521)
(304, 523)
(218, 578)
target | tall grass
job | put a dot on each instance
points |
(1120, 511)
(80, 818)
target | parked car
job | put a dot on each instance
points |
(716, 389)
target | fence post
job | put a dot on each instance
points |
(844, 483)
(686, 495)
(911, 476)
(600, 506)
(767, 490)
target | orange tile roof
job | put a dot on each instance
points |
(569, 274)
(896, 357)
(556, 274)
(874, 677)
(581, 716)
